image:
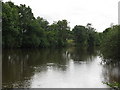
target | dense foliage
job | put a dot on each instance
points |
(86, 35)
(22, 29)
(110, 46)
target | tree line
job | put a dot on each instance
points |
(22, 30)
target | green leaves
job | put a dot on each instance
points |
(10, 25)
(80, 34)
(110, 44)
(114, 85)
(85, 36)
(22, 29)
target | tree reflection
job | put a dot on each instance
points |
(20, 65)
(111, 72)
(83, 53)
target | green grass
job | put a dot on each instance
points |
(70, 42)
(114, 85)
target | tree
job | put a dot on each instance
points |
(59, 31)
(43, 23)
(25, 18)
(62, 32)
(10, 25)
(91, 35)
(110, 44)
(80, 35)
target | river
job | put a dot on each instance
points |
(56, 68)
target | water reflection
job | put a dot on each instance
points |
(54, 68)
(111, 73)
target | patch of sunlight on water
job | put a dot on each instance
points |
(77, 75)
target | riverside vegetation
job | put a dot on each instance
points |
(20, 29)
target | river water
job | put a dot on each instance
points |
(56, 68)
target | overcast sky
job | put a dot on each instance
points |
(101, 13)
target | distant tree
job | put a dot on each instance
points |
(80, 34)
(91, 35)
(62, 32)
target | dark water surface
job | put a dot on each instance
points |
(56, 68)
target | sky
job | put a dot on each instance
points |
(101, 13)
